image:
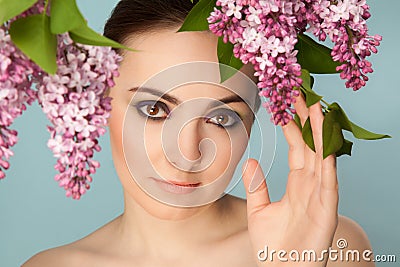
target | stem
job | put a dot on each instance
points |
(46, 5)
(323, 101)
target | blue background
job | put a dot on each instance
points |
(35, 214)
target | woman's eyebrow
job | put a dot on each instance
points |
(155, 92)
(228, 99)
(176, 101)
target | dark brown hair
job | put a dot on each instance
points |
(133, 17)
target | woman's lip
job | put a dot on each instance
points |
(183, 184)
(176, 187)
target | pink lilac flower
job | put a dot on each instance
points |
(17, 74)
(264, 36)
(344, 22)
(234, 9)
(264, 33)
(74, 102)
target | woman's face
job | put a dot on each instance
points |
(177, 135)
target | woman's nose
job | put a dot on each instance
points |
(186, 154)
(189, 140)
(187, 148)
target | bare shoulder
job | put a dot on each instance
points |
(60, 256)
(351, 239)
(352, 232)
(78, 253)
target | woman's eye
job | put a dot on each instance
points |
(225, 118)
(154, 110)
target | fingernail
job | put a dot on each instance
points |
(256, 181)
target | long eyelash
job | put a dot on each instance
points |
(225, 127)
(160, 103)
(216, 124)
(155, 118)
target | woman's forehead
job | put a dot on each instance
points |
(171, 62)
(200, 80)
(166, 47)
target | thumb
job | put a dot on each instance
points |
(255, 185)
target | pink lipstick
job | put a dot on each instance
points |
(176, 187)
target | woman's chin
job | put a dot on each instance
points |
(164, 211)
(157, 208)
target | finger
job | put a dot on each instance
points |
(309, 159)
(301, 108)
(316, 120)
(296, 144)
(329, 173)
(303, 112)
(329, 182)
(256, 187)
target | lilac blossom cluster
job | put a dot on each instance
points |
(344, 21)
(17, 74)
(264, 33)
(74, 102)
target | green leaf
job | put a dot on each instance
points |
(345, 149)
(307, 134)
(310, 95)
(356, 130)
(297, 121)
(65, 16)
(306, 77)
(86, 35)
(312, 98)
(11, 8)
(361, 133)
(315, 57)
(343, 119)
(226, 57)
(332, 135)
(32, 35)
(196, 20)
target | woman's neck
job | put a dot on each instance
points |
(166, 230)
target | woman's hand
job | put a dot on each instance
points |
(306, 217)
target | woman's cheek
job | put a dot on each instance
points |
(115, 125)
(116, 141)
(154, 147)
(223, 155)
(124, 140)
